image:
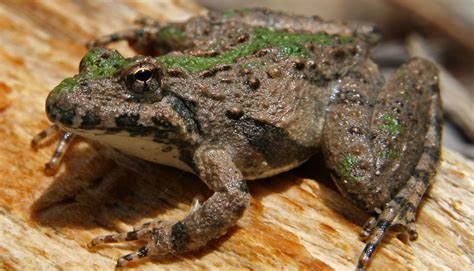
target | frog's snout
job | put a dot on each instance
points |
(60, 111)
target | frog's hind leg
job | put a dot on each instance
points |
(382, 147)
(401, 210)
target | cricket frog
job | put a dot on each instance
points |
(246, 94)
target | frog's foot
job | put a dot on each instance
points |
(61, 147)
(146, 232)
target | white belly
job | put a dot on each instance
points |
(141, 147)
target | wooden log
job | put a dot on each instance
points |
(296, 220)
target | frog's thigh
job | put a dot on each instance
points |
(373, 142)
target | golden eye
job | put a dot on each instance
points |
(143, 75)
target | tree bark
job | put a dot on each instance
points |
(296, 220)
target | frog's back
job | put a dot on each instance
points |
(260, 82)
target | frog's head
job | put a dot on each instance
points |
(115, 98)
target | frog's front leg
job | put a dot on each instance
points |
(205, 222)
(61, 147)
(383, 146)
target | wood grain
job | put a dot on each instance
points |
(296, 220)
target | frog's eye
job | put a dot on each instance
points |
(143, 78)
(143, 75)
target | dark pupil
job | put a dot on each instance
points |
(143, 75)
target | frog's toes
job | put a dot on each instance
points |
(399, 213)
(156, 233)
(368, 227)
(43, 135)
(139, 254)
(406, 221)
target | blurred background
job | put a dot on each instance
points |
(440, 30)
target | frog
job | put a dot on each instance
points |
(240, 95)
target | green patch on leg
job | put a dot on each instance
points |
(391, 124)
(347, 165)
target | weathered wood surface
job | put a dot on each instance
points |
(296, 220)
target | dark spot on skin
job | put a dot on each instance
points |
(253, 82)
(142, 252)
(355, 130)
(127, 120)
(310, 47)
(400, 103)
(238, 209)
(263, 137)
(338, 53)
(90, 120)
(243, 187)
(67, 117)
(179, 237)
(243, 38)
(435, 88)
(262, 52)
(298, 64)
(208, 73)
(215, 70)
(234, 112)
(176, 73)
